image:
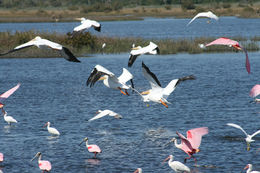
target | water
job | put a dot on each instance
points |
(154, 28)
(54, 90)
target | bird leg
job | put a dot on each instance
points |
(126, 92)
(95, 155)
(121, 91)
(187, 158)
(163, 103)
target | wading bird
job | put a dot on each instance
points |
(191, 144)
(136, 51)
(1, 157)
(51, 130)
(6, 94)
(208, 14)
(110, 80)
(249, 168)
(45, 44)
(157, 93)
(104, 113)
(231, 43)
(248, 137)
(138, 170)
(91, 148)
(86, 24)
(177, 166)
(8, 119)
(254, 92)
(44, 165)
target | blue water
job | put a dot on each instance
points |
(55, 90)
(154, 28)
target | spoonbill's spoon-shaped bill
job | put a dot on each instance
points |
(104, 113)
(44, 165)
(110, 80)
(45, 44)
(51, 130)
(8, 119)
(6, 94)
(158, 94)
(86, 24)
(91, 148)
(191, 144)
(176, 165)
(152, 48)
(248, 137)
(249, 168)
(231, 43)
(255, 91)
(208, 14)
(1, 157)
(138, 170)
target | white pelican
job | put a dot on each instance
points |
(51, 130)
(8, 93)
(249, 168)
(177, 166)
(136, 51)
(138, 170)
(104, 113)
(208, 14)
(44, 44)
(157, 93)
(110, 80)
(44, 165)
(86, 24)
(248, 137)
(8, 119)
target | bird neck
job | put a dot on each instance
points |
(176, 144)
(87, 144)
(249, 169)
(39, 158)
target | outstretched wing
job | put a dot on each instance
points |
(186, 146)
(194, 136)
(150, 76)
(255, 91)
(23, 46)
(125, 76)
(223, 41)
(68, 55)
(96, 73)
(256, 133)
(204, 14)
(238, 127)
(100, 115)
(6, 94)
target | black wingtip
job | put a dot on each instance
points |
(98, 28)
(157, 50)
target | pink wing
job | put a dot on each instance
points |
(224, 41)
(1, 157)
(9, 92)
(45, 165)
(255, 91)
(194, 136)
(94, 148)
(185, 144)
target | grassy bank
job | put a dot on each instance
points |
(85, 43)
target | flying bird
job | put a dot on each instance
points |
(177, 166)
(254, 92)
(110, 80)
(8, 119)
(46, 44)
(91, 148)
(231, 43)
(157, 93)
(1, 157)
(138, 170)
(137, 51)
(191, 144)
(208, 14)
(104, 113)
(6, 94)
(249, 168)
(248, 137)
(51, 130)
(86, 24)
(44, 165)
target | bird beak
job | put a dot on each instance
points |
(1, 105)
(135, 48)
(237, 47)
(102, 78)
(136, 171)
(145, 92)
(166, 159)
(81, 142)
(77, 18)
(248, 146)
(45, 125)
(34, 157)
(246, 167)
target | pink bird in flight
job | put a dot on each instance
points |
(44, 165)
(254, 92)
(1, 157)
(91, 148)
(191, 144)
(231, 43)
(6, 94)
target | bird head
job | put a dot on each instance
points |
(248, 166)
(1, 105)
(84, 140)
(168, 158)
(36, 155)
(80, 19)
(47, 124)
(118, 116)
(37, 38)
(138, 170)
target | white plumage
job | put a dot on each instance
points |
(104, 113)
(52, 130)
(177, 166)
(86, 24)
(208, 14)
(8, 119)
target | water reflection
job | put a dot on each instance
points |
(93, 161)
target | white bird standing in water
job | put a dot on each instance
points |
(8, 119)
(177, 166)
(51, 130)
(104, 113)
(249, 168)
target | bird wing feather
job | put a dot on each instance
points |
(68, 55)
(256, 133)
(6, 94)
(125, 76)
(96, 73)
(238, 127)
(194, 136)
(151, 77)
(100, 115)
(186, 146)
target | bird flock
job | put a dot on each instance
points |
(157, 94)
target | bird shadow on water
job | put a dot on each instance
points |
(52, 139)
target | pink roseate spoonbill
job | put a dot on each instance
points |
(46, 44)
(51, 130)
(208, 14)
(91, 148)
(248, 137)
(152, 49)
(86, 24)
(254, 92)
(6, 94)
(177, 166)
(104, 113)
(138, 170)
(190, 145)
(1, 157)
(231, 43)
(158, 94)
(44, 165)
(110, 80)
(249, 168)
(8, 119)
